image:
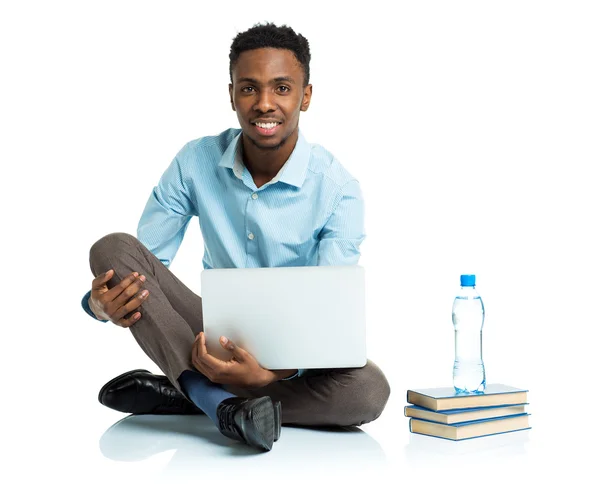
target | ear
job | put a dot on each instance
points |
(231, 96)
(306, 97)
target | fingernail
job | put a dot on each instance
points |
(224, 339)
(144, 294)
(142, 278)
(135, 274)
(108, 272)
(137, 316)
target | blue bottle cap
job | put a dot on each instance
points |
(467, 280)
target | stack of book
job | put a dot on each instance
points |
(441, 412)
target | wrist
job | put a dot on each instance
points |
(91, 305)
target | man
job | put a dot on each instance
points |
(264, 198)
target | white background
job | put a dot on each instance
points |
(473, 128)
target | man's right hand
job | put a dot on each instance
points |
(117, 304)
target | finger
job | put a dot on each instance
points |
(134, 304)
(129, 321)
(115, 291)
(206, 359)
(195, 347)
(196, 351)
(202, 351)
(102, 279)
(129, 292)
(238, 353)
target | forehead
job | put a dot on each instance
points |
(267, 64)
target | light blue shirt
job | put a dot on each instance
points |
(311, 213)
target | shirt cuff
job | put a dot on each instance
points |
(85, 305)
(295, 375)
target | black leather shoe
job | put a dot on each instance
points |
(142, 392)
(251, 421)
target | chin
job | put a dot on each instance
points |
(267, 146)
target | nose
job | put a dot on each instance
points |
(265, 102)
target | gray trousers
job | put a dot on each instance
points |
(172, 317)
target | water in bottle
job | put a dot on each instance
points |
(467, 316)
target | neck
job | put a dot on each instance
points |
(264, 163)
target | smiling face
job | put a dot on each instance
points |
(268, 94)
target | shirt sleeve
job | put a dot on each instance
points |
(298, 374)
(343, 233)
(167, 213)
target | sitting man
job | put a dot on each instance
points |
(264, 198)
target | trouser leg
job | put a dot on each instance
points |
(340, 397)
(172, 314)
(172, 317)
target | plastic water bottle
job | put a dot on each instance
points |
(467, 316)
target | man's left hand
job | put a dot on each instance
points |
(242, 370)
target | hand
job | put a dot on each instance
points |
(242, 370)
(116, 303)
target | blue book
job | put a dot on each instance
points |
(470, 429)
(452, 416)
(445, 398)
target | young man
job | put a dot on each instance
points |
(264, 198)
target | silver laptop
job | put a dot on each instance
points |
(288, 317)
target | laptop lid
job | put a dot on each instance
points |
(288, 317)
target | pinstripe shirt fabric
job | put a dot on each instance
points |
(311, 213)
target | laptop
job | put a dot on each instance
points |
(288, 317)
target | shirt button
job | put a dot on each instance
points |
(254, 196)
(250, 236)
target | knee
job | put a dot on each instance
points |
(371, 391)
(110, 244)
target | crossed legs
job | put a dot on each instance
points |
(172, 317)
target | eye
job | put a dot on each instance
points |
(283, 89)
(247, 89)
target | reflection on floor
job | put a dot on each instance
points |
(196, 444)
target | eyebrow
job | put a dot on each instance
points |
(256, 82)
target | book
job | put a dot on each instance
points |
(470, 429)
(452, 416)
(445, 398)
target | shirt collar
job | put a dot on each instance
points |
(293, 171)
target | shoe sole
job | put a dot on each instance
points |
(262, 416)
(114, 381)
(277, 420)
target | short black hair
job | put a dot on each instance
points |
(271, 36)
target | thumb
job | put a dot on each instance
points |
(238, 353)
(100, 281)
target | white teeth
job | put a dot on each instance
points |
(266, 125)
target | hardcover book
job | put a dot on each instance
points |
(452, 416)
(445, 398)
(470, 429)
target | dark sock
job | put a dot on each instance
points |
(204, 393)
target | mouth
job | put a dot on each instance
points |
(266, 128)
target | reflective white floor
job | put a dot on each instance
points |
(96, 449)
